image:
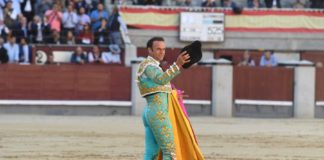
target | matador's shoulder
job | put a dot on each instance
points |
(144, 64)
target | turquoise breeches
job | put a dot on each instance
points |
(158, 128)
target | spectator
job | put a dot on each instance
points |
(102, 33)
(317, 4)
(97, 15)
(209, 3)
(254, 4)
(188, 3)
(3, 53)
(83, 19)
(2, 5)
(179, 3)
(247, 60)
(114, 24)
(28, 9)
(25, 51)
(78, 57)
(21, 30)
(228, 4)
(16, 5)
(36, 30)
(70, 39)
(95, 56)
(42, 6)
(4, 30)
(10, 15)
(78, 4)
(319, 64)
(114, 55)
(69, 20)
(50, 59)
(86, 36)
(47, 30)
(272, 3)
(12, 49)
(55, 38)
(54, 18)
(268, 59)
(298, 4)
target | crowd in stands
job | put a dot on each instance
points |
(96, 56)
(71, 22)
(268, 59)
(232, 3)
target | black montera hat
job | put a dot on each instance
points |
(194, 51)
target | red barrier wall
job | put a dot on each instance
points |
(65, 82)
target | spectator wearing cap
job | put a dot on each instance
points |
(97, 15)
(268, 59)
(114, 55)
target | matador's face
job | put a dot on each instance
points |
(158, 50)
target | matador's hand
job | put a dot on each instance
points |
(182, 59)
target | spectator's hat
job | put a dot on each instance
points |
(194, 51)
(114, 48)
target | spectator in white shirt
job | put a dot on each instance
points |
(113, 56)
(13, 49)
(70, 19)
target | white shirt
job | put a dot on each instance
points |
(16, 6)
(28, 7)
(26, 54)
(12, 51)
(92, 58)
(70, 19)
(108, 57)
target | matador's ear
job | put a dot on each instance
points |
(194, 51)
